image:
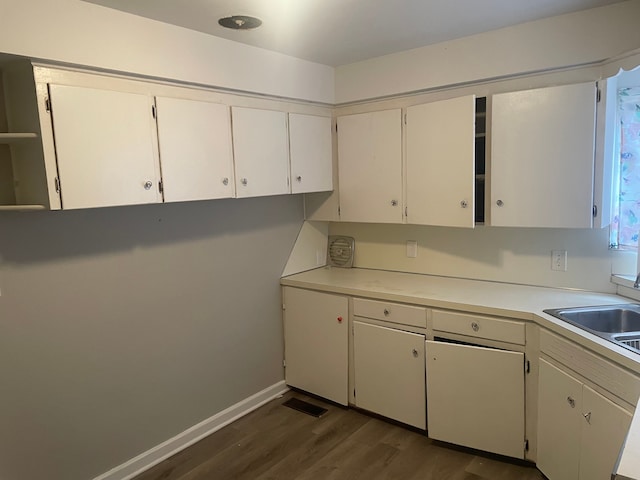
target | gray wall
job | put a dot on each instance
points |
(122, 327)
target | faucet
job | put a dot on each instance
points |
(636, 284)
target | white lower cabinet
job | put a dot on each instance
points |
(580, 432)
(475, 397)
(316, 343)
(389, 371)
(469, 382)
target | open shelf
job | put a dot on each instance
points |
(20, 208)
(17, 137)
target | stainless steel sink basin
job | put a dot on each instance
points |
(617, 323)
(609, 319)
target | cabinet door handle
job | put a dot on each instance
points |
(571, 402)
(500, 203)
(414, 352)
(464, 204)
(244, 182)
(148, 185)
(299, 178)
(339, 319)
(225, 181)
(587, 417)
(394, 203)
(475, 327)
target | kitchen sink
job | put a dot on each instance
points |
(619, 324)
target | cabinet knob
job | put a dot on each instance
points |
(475, 327)
(148, 185)
(386, 312)
(414, 352)
(339, 319)
(587, 417)
(225, 181)
(464, 204)
(299, 178)
(571, 402)
(244, 182)
(500, 203)
(394, 203)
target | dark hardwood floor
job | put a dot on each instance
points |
(276, 442)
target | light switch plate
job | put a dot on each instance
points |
(412, 248)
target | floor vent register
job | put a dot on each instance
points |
(305, 407)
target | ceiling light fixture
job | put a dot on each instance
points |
(240, 22)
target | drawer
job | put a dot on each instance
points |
(390, 312)
(511, 331)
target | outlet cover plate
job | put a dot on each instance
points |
(559, 260)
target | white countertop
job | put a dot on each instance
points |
(492, 298)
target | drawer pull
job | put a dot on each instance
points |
(386, 312)
(475, 327)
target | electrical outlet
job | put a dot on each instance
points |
(559, 260)
(412, 248)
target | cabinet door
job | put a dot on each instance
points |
(475, 397)
(559, 422)
(311, 153)
(370, 167)
(389, 373)
(261, 151)
(440, 169)
(105, 147)
(316, 343)
(604, 429)
(195, 149)
(542, 157)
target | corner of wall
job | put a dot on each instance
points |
(310, 249)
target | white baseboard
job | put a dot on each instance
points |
(161, 452)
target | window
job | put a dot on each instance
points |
(625, 225)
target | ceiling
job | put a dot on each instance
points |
(338, 32)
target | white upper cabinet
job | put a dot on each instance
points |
(370, 167)
(440, 171)
(311, 153)
(261, 151)
(105, 146)
(195, 149)
(542, 157)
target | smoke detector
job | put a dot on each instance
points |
(240, 22)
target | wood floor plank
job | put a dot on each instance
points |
(497, 470)
(181, 463)
(278, 443)
(331, 432)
